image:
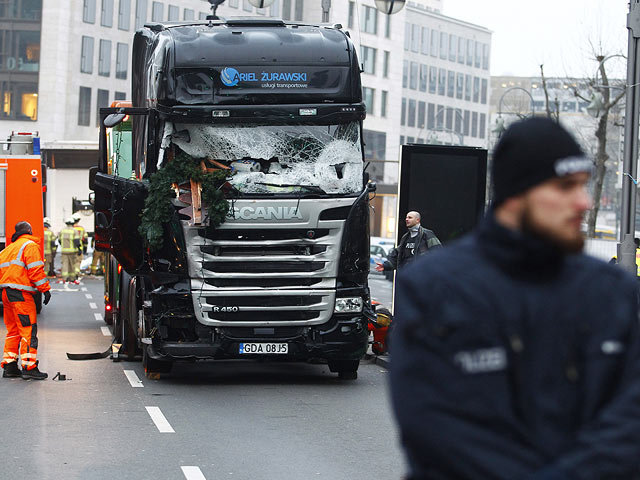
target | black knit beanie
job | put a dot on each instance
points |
(532, 151)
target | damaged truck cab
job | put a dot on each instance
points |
(279, 107)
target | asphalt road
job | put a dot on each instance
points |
(231, 420)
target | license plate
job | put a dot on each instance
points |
(264, 348)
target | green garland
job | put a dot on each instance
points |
(158, 208)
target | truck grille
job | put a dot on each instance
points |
(267, 273)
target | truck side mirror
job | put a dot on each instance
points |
(92, 177)
(113, 119)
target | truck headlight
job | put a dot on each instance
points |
(348, 305)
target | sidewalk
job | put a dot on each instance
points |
(381, 360)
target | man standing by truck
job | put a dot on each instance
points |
(70, 244)
(22, 275)
(417, 241)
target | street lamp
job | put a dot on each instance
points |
(261, 3)
(460, 134)
(499, 128)
(390, 6)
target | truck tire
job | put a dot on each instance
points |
(151, 365)
(346, 369)
(127, 315)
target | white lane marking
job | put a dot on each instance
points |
(93, 305)
(133, 378)
(105, 331)
(98, 316)
(192, 473)
(160, 420)
(84, 289)
(88, 295)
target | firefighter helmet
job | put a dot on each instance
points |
(46, 221)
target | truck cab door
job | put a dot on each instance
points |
(119, 199)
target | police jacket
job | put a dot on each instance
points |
(400, 256)
(21, 265)
(513, 361)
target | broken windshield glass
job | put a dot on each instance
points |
(270, 159)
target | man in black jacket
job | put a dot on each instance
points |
(515, 356)
(417, 241)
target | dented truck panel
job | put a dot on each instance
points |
(279, 105)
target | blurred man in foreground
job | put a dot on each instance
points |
(515, 356)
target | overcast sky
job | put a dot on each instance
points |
(553, 32)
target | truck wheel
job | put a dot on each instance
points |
(128, 313)
(346, 369)
(151, 365)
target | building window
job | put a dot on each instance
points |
(203, 15)
(405, 73)
(407, 36)
(89, 11)
(86, 55)
(19, 100)
(246, 6)
(476, 89)
(233, 3)
(439, 117)
(102, 101)
(352, 7)
(411, 113)
(483, 125)
(459, 85)
(156, 12)
(431, 116)
(451, 83)
(174, 13)
(104, 59)
(384, 95)
(443, 45)
(106, 15)
(286, 9)
(421, 114)
(84, 107)
(442, 81)
(483, 92)
(458, 121)
(375, 149)
(403, 112)
(120, 96)
(467, 88)
(474, 124)
(449, 118)
(467, 119)
(124, 15)
(453, 47)
(478, 54)
(368, 59)
(122, 60)
(470, 52)
(423, 77)
(367, 97)
(275, 9)
(485, 56)
(189, 14)
(299, 9)
(385, 64)
(433, 79)
(424, 45)
(413, 76)
(141, 13)
(415, 38)
(387, 26)
(369, 20)
(461, 43)
(434, 43)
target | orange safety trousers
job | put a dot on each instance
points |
(22, 330)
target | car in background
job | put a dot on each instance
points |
(379, 250)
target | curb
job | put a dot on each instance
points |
(381, 360)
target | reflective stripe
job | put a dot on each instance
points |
(5, 264)
(29, 363)
(12, 262)
(40, 282)
(34, 264)
(28, 355)
(12, 336)
(11, 354)
(24, 245)
(17, 286)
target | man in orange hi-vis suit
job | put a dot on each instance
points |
(21, 275)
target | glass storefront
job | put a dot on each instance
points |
(20, 26)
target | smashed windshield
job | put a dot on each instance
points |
(272, 159)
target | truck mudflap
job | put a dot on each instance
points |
(346, 340)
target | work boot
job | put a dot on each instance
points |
(11, 370)
(33, 374)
